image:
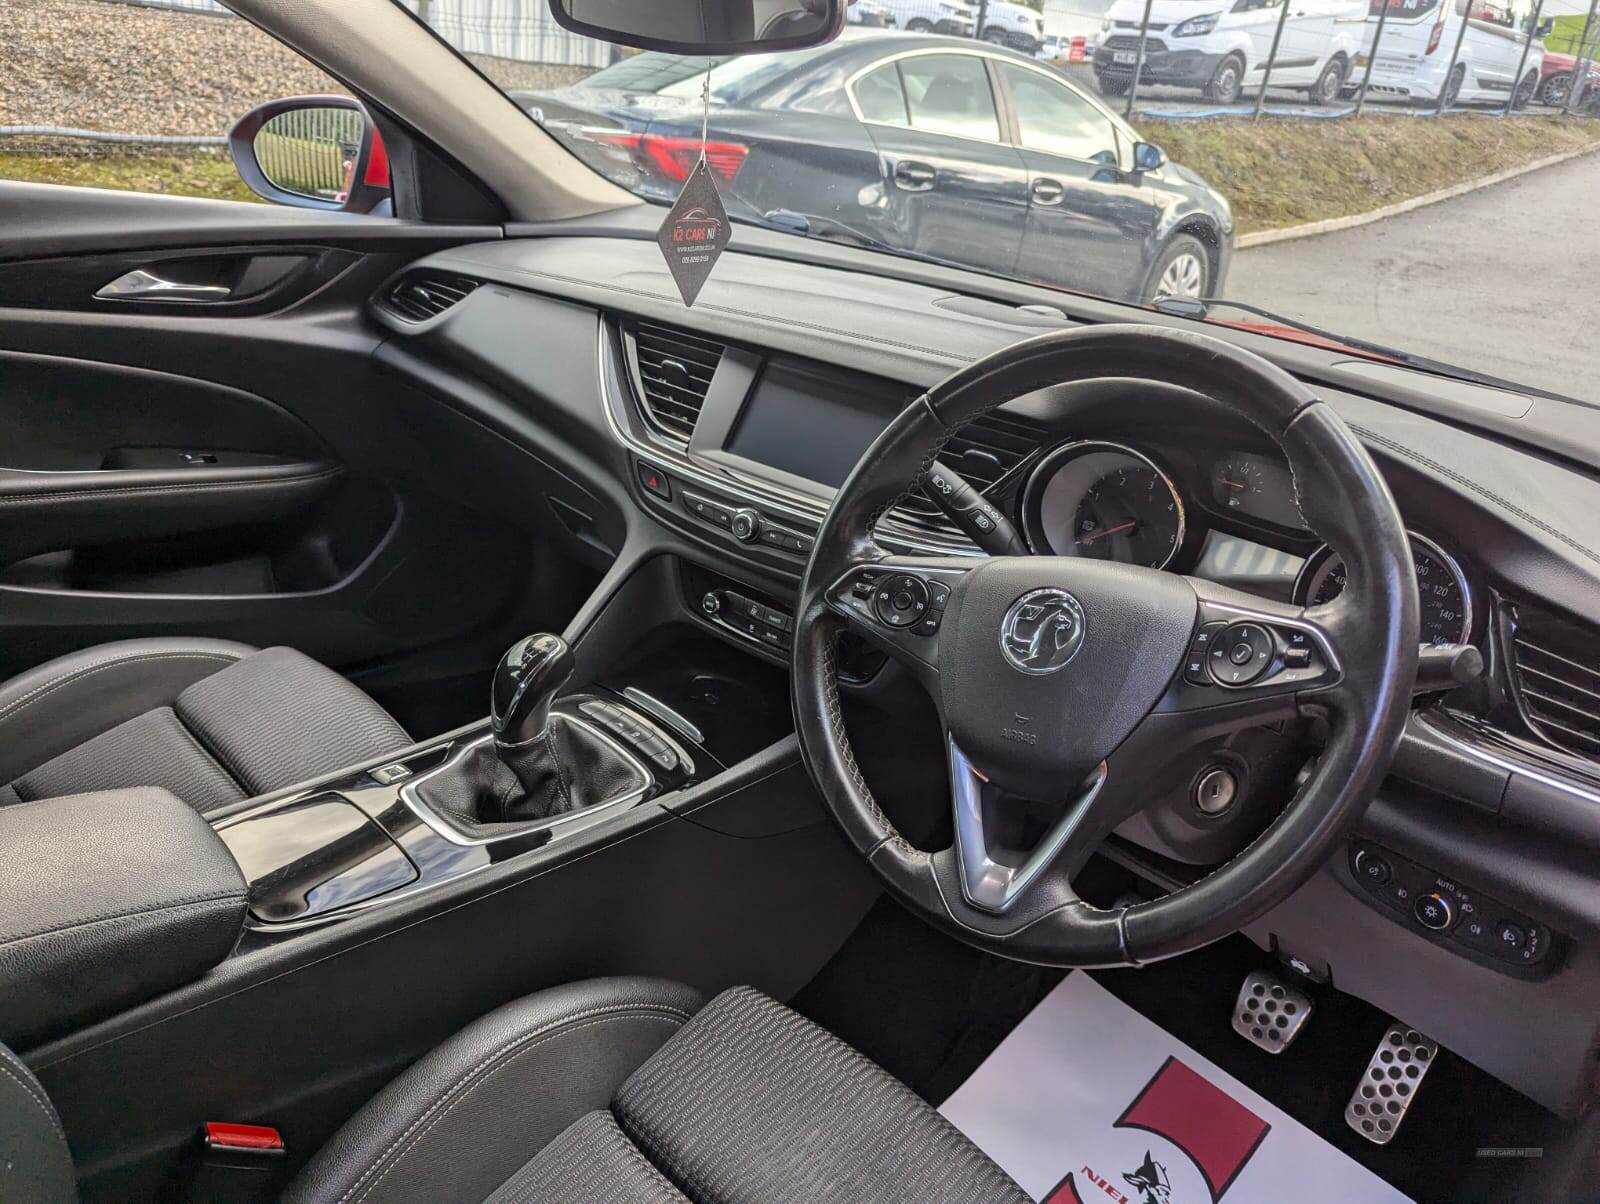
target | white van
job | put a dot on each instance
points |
(953, 17)
(1418, 36)
(1223, 48)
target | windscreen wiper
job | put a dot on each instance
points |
(1199, 308)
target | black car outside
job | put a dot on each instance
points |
(942, 148)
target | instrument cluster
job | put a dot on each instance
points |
(1111, 501)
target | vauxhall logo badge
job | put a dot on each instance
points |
(1042, 631)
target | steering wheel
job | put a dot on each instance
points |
(1064, 683)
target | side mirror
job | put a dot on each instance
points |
(314, 152)
(1147, 156)
(1546, 28)
(700, 27)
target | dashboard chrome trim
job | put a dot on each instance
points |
(1521, 768)
(1047, 464)
(782, 503)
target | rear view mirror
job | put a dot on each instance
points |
(313, 152)
(704, 26)
(1147, 156)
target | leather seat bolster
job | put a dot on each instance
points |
(67, 701)
(465, 1118)
(35, 1163)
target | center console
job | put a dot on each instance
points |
(382, 833)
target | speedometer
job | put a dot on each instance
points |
(1104, 501)
(1442, 590)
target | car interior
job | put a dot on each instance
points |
(476, 727)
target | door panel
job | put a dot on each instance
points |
(228, 467)
(952, 190)
(1086, 225)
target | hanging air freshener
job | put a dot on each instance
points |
(696, 229)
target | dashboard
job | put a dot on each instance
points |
(718, 436)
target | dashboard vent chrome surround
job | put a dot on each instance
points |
(984, 452)
(674, 370)
(1557, 667)
(418, 296)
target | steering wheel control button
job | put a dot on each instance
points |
(901, 600)
(1434, 911)
(1241, 653)
(1216, 790)
(1194, 664)
(745, 525)
(1384, 1094)
(1269, 1013)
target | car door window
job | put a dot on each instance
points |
(136, 96)
(1055, 120)
(881, 98)
(950, 94)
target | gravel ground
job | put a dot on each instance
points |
(101, 65)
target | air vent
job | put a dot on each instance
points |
(985, 451)
(1557, 664)
(422, 295)
(675, 371)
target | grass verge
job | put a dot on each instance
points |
(1281, 172)
(173, 175)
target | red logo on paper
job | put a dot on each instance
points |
(1215, 1131)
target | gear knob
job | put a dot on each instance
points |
(525, 683)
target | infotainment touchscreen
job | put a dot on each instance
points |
(811, 425)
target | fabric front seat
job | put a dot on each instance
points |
(629, 1091)
(212, 721)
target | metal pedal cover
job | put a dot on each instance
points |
(1269, 1012)
(1390, 1083)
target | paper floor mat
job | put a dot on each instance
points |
(1087, 1102)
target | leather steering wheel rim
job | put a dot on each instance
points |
(1365, 643)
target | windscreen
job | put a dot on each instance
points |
(1407, 179)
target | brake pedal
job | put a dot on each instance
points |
(1385, 1092)
(1269, 1012)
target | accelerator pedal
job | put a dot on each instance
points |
(1384, 1094)
(1269, 1012)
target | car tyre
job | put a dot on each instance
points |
(1525, 91)
(1227, 83)
(1183, 269)
(995, 37)
(1114, 85)
(1330, 84)
(919, 25)
(1452, 86)
(1554, 90)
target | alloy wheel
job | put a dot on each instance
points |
(1183, 277)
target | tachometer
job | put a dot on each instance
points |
(1446, 614)
(1104, 501)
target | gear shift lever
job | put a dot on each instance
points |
(525, 683)
(543, 764)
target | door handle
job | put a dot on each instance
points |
(141, 284)
(1046, 191)
(912, 176)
